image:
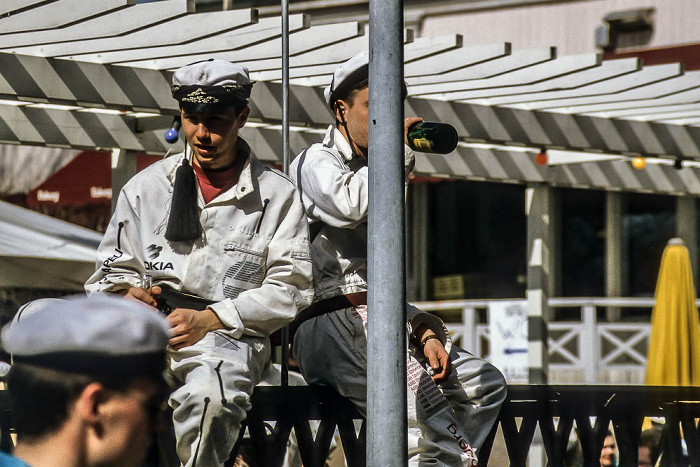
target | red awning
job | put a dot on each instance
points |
(687, 54)
(87, 179)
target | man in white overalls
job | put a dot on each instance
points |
(453, 397)
(216, 223)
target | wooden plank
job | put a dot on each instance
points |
(181, 30)
(213, 46)
(112, 23)
(57, 14)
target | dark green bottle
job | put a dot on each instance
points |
(434, 137)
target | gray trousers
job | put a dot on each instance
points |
(331, 349)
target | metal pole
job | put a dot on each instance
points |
(386, 340)
(285, 154)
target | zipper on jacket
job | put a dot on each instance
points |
(119, 236)
(221, 382)
(266, 201)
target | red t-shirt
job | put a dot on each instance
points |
(214, 182)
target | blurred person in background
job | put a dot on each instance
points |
(607, 454)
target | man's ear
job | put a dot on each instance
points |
(89, 403)
(243, 116)
(340, 107)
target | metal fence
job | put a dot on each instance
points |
(544, 415)
(583, 351)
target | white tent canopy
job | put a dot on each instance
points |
(38, 251)
(23, 168)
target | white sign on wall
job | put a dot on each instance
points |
(508, 337)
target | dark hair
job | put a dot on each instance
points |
(348, 94)
(239, 105)
(41, 397)
(650, 439)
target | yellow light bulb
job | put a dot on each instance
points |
(639, 163)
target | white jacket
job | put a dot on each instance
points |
(334, 187)
(253, 258)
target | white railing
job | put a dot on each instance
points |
(582, 351)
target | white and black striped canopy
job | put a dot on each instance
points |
(95, 74)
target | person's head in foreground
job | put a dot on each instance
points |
(86, 381)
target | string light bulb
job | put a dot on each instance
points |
(172, 135)
(639, 163)
(541, 157)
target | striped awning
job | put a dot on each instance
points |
(95, 75)
(516, 167)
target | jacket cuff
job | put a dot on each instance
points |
(409, 160)
(417, 317)
(228, 314)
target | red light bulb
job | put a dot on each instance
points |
(541, 158)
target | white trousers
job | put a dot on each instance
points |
(213, 380)
(331, 349)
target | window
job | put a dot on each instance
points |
(582, 243)
(649, 223)
(477, 237)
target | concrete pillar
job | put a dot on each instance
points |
(539, 239)
(557, 269)
(614, 251)
(418, 273)
(538, 208)
(687, 229)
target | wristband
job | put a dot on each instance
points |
(427, 338)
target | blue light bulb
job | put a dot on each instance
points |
(171, 135)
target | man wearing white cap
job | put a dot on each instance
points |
(216, 223)
(454, 397)
(85, 392)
